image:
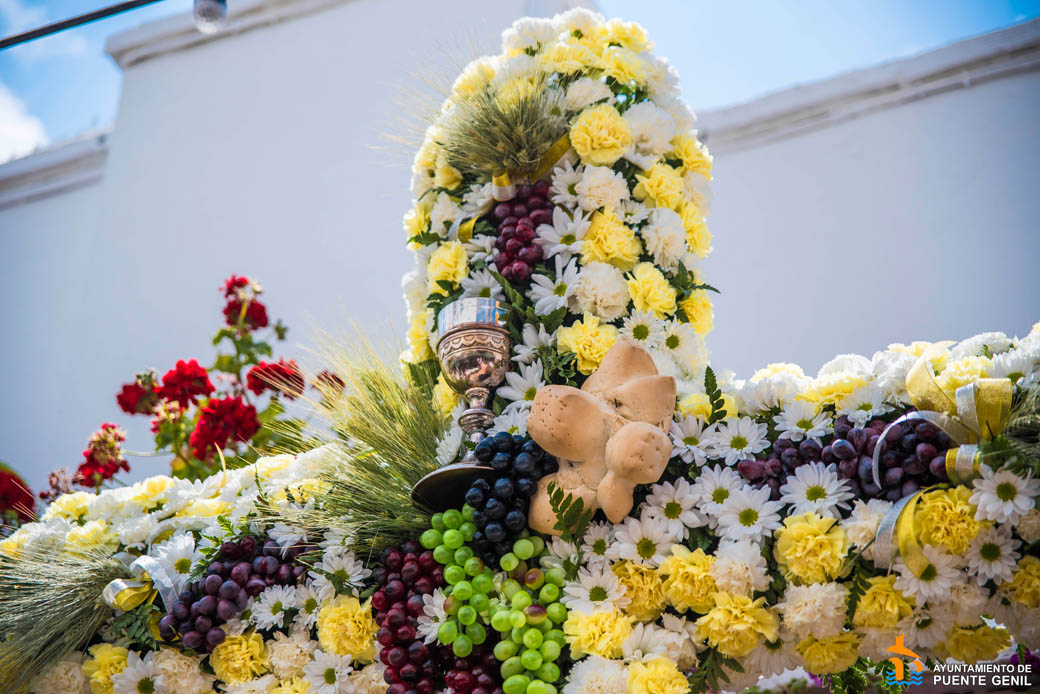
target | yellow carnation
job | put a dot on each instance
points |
(810, 548)
(71, 506)
(658, 676)
(418, 339)
(205, 508)
(444, 397)
(601, 633)
(631, 35)
(777, 369)
(623, 65)
(915, 349)
(608, 240)
(699, 312)
(962, 372)
(972, 644)
(296, 685)
(474, 77)
(881, 606)
(151, 492)
(688, 584)
(947, 518)
(736, 624)
(698, 237)
(447, 264)
(239, 658)
(1024, 585)
(426, 158)
(92, 536)
(417, 221)
(698, 404)
(446, 176)
(832, 388)
(831, 654)
(105, 660)
(565, 57)
(12, 545)
(662, 185)
(650, 290)
(600, 135)
(346, 627)
(644, 589)
(588, 340)
(693, 153)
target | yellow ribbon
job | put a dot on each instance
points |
(503, 187)
(149, 579)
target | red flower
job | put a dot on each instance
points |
(140, 396)
(284, 376)
(15, 496)
(328, 381)
(242, 291)
(223, 420)
(186, 381)
(103, 457)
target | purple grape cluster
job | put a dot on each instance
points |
(516, 252)
(500, 503)
(240, 570)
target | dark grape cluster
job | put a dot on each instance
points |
(475, 674)
(516, 252)
(240, 570)
(500, 503)
(405, 575)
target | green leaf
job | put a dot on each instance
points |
(226, 363)
(572, 518)
(425, 238)
(711, 389)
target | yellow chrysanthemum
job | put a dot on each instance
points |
(737, 624)
(1024, 585)
(661, 185)
(419, 339)
(831, 654)
(447, 264)
(444, 397)
(699, 311)
(882, 606)
(589, 340)
(631, 35)
(698, 237)
(446, 176)
(239, 658)
(71, 506)
(566, 57)
(623, 65)
(644, 589)
(609, 240)
(688, 584)
(698, 404)
(810, 548)
(832, 389)
(658, 676)
(693, 153)
(105, 660)
(650, 291)
(601, 633)
(346, 627)
(962, 372)
(947, 518)
(600, 135)
(972, 644)
(94, 535)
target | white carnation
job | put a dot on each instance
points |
(862, 524)
(855, 364)
(697, 189)
(184, 670)
(444, 212)
(586, 91)
(66, 677)
(601, 187)
(661, 78)
(602, 291)
(677, 109)
(652, 128)
(665, 238)
(288, 654)
(528, 32)
(577, 19)
(977, 346)
(814, 610)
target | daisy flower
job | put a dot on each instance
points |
(523, 384)
(596, 589)
(644, 540)
(649, 641)
(598, 546)
(1013, 365)
(685, 654)
(271, 606)
(533, 339)
(688, 442)
(645, 328)
(739, 568)
(481, 283)
(992, 554)
(713, 486)
(926, 627)
(565, 179)
(738, 439)
(480, 248)
(683, 343)
(328, 673)
(800, 420)
(674, 504)
(548, 294)
(560, 554)
(633, 213)
(448, 447)
(308, 602)
(177, 555)
(936, 582)
(749, 514)
(432, 617)
(595, 675)
(565, 236)
(1003, 496)
(773, 657)
(512, 420)
(864, 404)
(286, 536)
(139, 675)
(338, 566)
(815, 487)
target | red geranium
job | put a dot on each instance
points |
(239, 292)
(103, 457)
(284, 376)
(139, 397)
(220, 421)
(185, 382)
(15, 496)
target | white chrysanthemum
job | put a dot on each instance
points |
(863, 404)
(774, 657)
(855, 364)
(533, 340)
(687, 436)
(675, 505)
(818, 609)
(141, 675)
(550, 294)
(652, 128)
(601, 187)
(595, 675)
(981, 345)
(560, 553)
(749, 514)
(450, 444)
(936, 582)
(443, 213)
(927, 626)
(739, 568)
(1003, 496)
(328, 673)
(289, 653)
(738, 439)
(1028, 526)
(801, 420)
(644, 328)
(272, 606)
(480, 248)
(343, 567)
(602, 291)
(596, 589)
(433, 615)
(522, 385)
(633, 213)
(585, 92)
(598, 545)
(477, 199)
(528, 33)
(816, 488)
(65, 677)
(287, 535)
(684, 344)
(713, 486)
(992, 554)
(513, 421)
(565, 236)
(1013, 365)
(177, 555)
(862, 524)
(685, 652)
(644, 540)
(565, 179)
(666, 366)
(184, 670)
(308, 602)
(260, 685)
(648, 641)
(481, 283)
(665, 238)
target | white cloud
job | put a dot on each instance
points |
(17, 16)
(20, 131)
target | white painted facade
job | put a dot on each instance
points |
(895, 203)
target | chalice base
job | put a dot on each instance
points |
(446, 486)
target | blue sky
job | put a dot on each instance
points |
(58, 87)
